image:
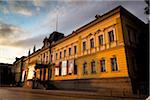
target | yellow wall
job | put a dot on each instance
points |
(107, 50)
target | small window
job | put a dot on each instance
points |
(75, 49)
(75, 69)
(44, 55)
(92, 43)
(93, 67)
(46, 59)
(69, 51)
(114, 66)
(64, 53)
(102, 65)
(84, 45)
(100, 38)
(60, 71)
(111, 36)
(85, 68)
(60, 55)
(51, 57)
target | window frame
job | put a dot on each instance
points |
(60, 55)
(65, 51)
(111, 37)
(114, 65)
(70, 52)
(102, 65)
(75, 49)
(92, 43)
(93, 68)
(99, 39)
(84, 45)
(84, 66)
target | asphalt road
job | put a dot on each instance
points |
(6, 94)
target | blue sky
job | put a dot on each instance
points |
(25, 23)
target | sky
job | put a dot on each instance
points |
(26, 23)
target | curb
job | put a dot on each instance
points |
(77, 94)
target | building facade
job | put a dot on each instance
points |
(102, 56)
(19, 67)
(6, 74)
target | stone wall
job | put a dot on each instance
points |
(105, 86)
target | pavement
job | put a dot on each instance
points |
(73, 94)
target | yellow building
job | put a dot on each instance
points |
(99, 56)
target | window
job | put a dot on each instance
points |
(111, 36)
(84, 45)
(92, 43)
(69, 51)
(114, 66)
(102, 65)
(93, 67)
(56, 55)
(47, 58)
(60, 55)
(75, 49)
(100, 38)
(64, 53)
(44, 55)
(85, 68)
(75, 69)
(60, 71)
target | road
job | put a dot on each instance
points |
(7, 94)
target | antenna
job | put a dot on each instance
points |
(57, 19)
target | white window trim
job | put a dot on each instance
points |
(84, 40)
(112, 28)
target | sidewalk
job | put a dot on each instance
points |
(84, 94)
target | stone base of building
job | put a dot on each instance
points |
(120, 86)
(106, 86)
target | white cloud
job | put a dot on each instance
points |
(37, 3)
(8, 54)
(23, 11)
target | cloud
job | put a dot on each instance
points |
(38, 3)
(23, 11)
(10, 33)
(20, 7)
(8, 30)
(4, 10)
(17, 7)
(30, 42)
